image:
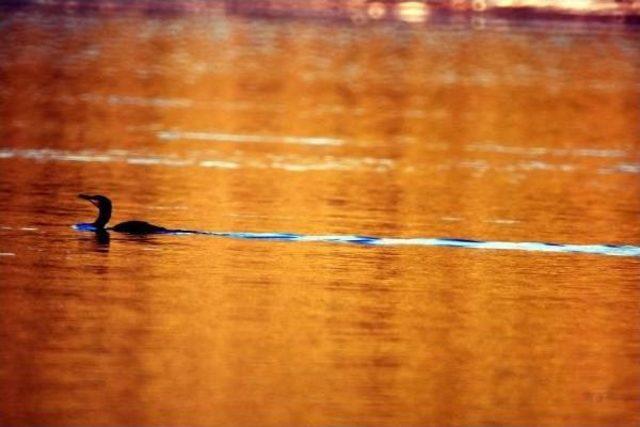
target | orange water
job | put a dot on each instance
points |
(215, 122)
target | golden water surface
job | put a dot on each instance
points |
(222, 122)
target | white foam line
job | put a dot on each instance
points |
(81, 158)
(627, 168)
(502, 221)
(538, 151)
(329, 163)
(121, 156)
(137, 100)
(7, 254)
(219, 164)
(158, 161)
(88, 156)
(232, 137)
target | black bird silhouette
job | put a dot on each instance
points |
(105, 207)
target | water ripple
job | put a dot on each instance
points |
(595, 249)
(600, 249)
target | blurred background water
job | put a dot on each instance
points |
(224, 120)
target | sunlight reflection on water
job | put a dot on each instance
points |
(336, 132)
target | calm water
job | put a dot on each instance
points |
(229, 124)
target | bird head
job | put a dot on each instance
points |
(104, 212)
(97, 200)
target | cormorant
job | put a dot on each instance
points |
(104, 214)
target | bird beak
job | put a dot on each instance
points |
(89, 198)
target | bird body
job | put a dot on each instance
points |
(137, 227)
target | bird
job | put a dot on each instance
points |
(105, 207)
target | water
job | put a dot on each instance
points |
(394, 139)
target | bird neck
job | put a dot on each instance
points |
(104, 215)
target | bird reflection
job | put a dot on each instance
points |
(103, 238)
(98, 242)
